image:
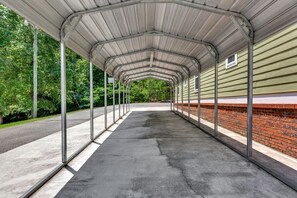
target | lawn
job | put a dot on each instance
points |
(2, 126)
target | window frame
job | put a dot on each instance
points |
(196, 89)
(231, 64)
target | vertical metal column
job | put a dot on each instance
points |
(250, 101)
(91, 102)
(189, 103)
(119, 89)
(34, 114)
(113, 101)
(216, 100)
(63, 101)
(127, 98)
(182, 97)
(123, 98)
(199, 97)
(171, 98)
(105, 99)
(177, 94)
(174, 92)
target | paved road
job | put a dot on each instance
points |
(158, 154)
(16, 136)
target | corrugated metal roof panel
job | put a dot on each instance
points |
(266, 16)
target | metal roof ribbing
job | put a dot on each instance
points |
(194, 28)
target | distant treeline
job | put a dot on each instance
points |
(16, 75)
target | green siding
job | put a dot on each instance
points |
(275, 70)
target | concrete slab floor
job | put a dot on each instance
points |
(24, 166)
(158, 154)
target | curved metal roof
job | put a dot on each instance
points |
(175, 37)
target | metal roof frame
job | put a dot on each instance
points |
(69, 20)
(129, 81)
(155, 60)
(58, 19)
(99, 45)
(196, 62)
(151, 71)
(147, 67)
(73, 19)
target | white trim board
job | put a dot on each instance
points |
(287, 98)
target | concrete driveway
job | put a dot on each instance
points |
(158, 154)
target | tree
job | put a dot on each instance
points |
(149, 90)
(16, 75)
(16, 58)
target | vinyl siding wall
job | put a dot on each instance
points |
(275, 70)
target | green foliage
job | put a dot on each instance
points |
(15, 64)
(149, 90)
(16, 75)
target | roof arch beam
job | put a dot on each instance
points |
(73, 19)
(195, 61)
(149, 75)
(149, 72)
(147, 67)
(99, 45)
(155, 60)
(152, 76)
(69, 21)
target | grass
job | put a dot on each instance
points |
(11, 124)
(2, 126)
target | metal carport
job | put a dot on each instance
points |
(166, 39)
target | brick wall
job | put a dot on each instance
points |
(274, 125)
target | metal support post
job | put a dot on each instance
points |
(171, 98)
(113, 101)
(119, 89)
(129, 98)
(63, 101)
(174, 96)
(182, 97)
(123, 98)
(250, 101)
(199, 98)
(126, 98)
(177, 94)
(174, 92)
(189, 102)
(216, 99)
(105, 99)
(91, 103)
(34, 114)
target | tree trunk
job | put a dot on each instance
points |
(1, 118)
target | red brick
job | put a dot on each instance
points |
(274, 125)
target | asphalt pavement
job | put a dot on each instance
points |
(19, 135)
(159, 154)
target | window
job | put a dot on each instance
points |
(196, 84)
(231, 61)
(177, 91)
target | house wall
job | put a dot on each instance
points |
(274, 83)
(275, 69)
